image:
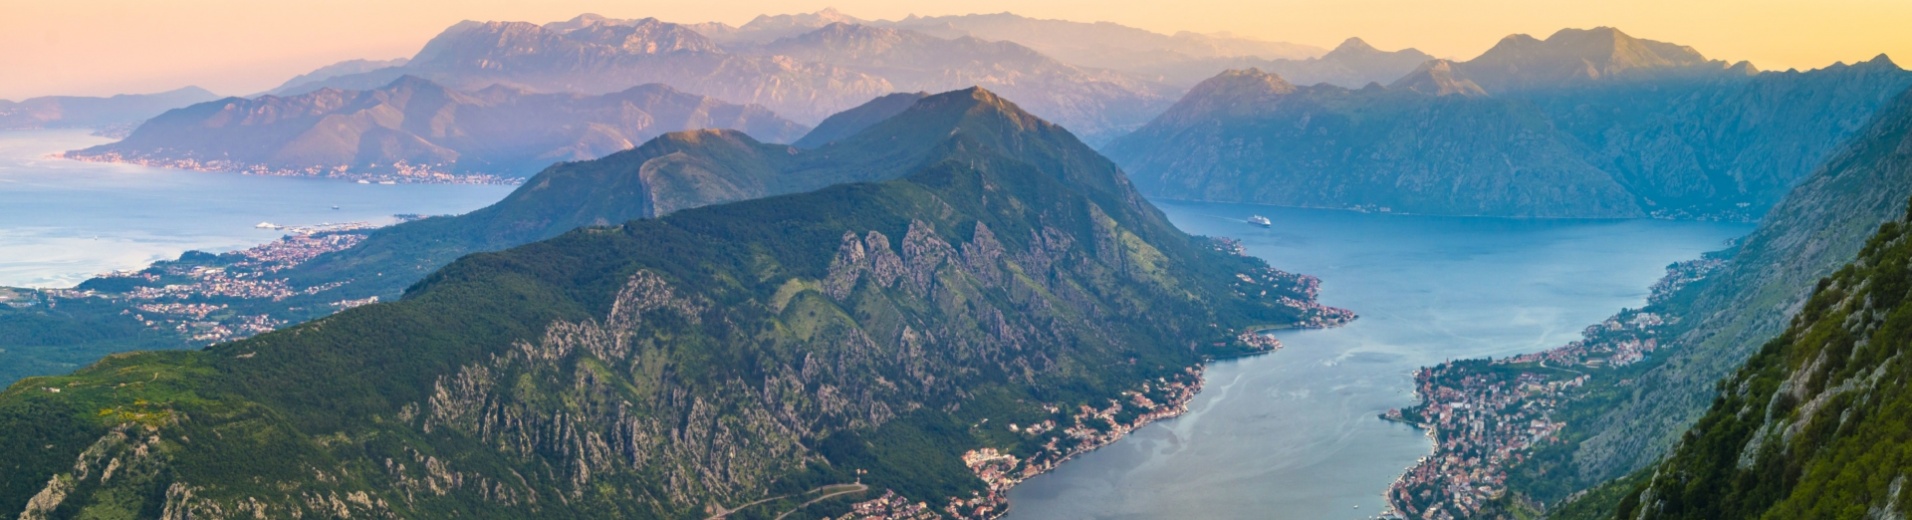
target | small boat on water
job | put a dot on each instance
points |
(1260, 221)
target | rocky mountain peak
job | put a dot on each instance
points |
(1579, 55)
(1438, 78)
(1353, 46)
(1242, 83)
(821, 18)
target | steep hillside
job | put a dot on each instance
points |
(672, 173)
(1814, 425)
(415, 129)
(1618, 400)
(1704, 148)
(1674, 146)
(850, 122)
(1249, 136)
(760, 357)
(298, 84)
(1820, 226)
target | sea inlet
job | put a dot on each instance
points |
(1295, 434)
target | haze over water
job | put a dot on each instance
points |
(64, 221)
(1295, 434)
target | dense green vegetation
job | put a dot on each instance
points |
(666, 367)
(1814, 426)
(50, 340)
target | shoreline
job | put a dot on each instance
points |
(1463, 404)
(1164, 397)
(401, 173)
(1370, 209)
(283, 234)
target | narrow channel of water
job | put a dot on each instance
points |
(1295, 434)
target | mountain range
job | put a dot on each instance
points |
(1104, 45)
(1573, 57)
(413, 123)
(795, 354)
(1250, 136)
(113, 112)
(1589, 123)
(806, 73)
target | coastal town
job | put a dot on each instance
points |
(1487, 415)
(1071, 433)
(202, 296)
(396, 173)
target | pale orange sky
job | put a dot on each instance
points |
(99, 47)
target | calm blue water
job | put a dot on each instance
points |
(1294, 434)
(63, 221)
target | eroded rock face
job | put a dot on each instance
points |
(628, 413)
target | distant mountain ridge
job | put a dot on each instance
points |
(95, 112)
(413, 123)
(343, 68)
(804, 73)
(1250, 136)
(1678, 135)
(1438, 78)
(1105, 45)
(1570, 56)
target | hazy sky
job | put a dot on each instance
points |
(97, 47)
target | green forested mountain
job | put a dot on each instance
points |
(1815, 425)
(671, 173)
(690, 364)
